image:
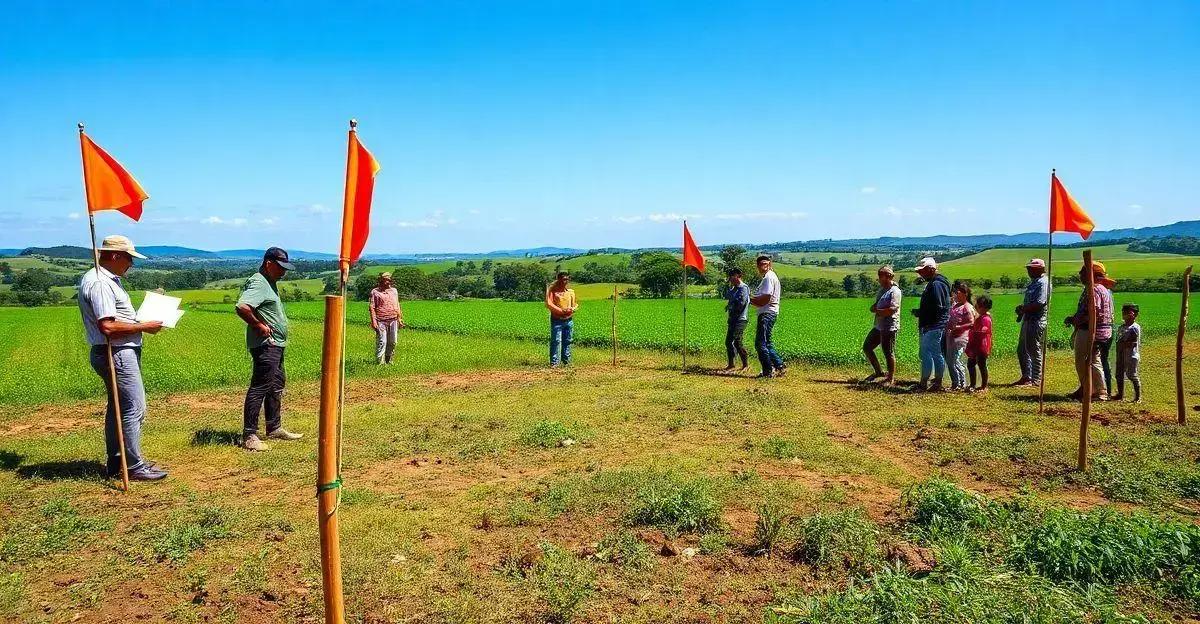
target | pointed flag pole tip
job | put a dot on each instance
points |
(80, 125)
(353, 124)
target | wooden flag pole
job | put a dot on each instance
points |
(684, 369)
(112, 369)
(614, 325)
(329, 480)
(1085, 382)
(1183, 314)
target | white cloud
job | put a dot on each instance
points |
(1136, 208)
(867, 190)
(269, 221)
(74, 215)
(633, 219)
(670, 216)
(215, 220)
(423, 223)
(318, 209)
(894, 211)
(761, 216)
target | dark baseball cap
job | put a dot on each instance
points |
(278, 256)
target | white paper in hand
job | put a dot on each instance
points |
(156, 307)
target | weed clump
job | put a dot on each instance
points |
(675, 504)
(625, 549)
(770, 528)
(185, 535)
(841, 539)
(547, 434)
(562, 581)
(56, 527)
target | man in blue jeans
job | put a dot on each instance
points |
(561, 302)
(766, 303)
(109, 320)
(932, 315)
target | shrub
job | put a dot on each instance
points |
(625, 549)
(562, 581)
(674, 503)
(769, 529)
(185, 535)
(937, 505)
(839, 539)
(776, 447)
(545, 434)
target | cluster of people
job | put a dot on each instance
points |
(956, 333)
(110, 322)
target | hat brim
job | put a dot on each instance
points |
(131, 252)
(286, 265)
(137, 255)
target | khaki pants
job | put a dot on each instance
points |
(1088, 363)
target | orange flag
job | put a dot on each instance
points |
(691, 253)
(107, 184)
(1065, 214)
(361, 168)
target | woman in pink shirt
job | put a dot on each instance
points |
(958, 332)
(386, 318)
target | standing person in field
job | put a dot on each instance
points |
(886, 311)
(1031, 314)
(1088, 362)
(737, 302)
(561, 302)
(766, 302)
(1129, 353)
(386, 318)
(979, 345)
(932, 315)
(266, 337)
(958, 333)
(109, 319)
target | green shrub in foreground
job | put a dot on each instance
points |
(562, 581)
(839, 539)
(675, 504)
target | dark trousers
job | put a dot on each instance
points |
(734, 330)
(266, 389)
(1104, 346)
(981, 362)
(764, 345)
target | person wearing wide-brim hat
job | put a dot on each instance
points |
(1031, 314)
(109, 318)
(261, 308)
(1091, 363)
(386, 318)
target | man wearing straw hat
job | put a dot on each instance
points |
(110, 319)
(386, 318)
(266, 337)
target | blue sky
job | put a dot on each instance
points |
(586, 124)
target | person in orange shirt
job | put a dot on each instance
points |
(561, 302)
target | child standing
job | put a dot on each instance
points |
(979, 345)
(1129, 343)
(958, 331)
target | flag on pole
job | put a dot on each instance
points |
(361, 168)
(691, 253)
(1065, 213)
(107, 184)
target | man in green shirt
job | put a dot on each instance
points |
(266, 337)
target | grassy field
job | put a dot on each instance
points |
(70, 267)
(1120, 262)
(206, 350)
(683, 498)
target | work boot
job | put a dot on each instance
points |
(252, 443)
(284, 434)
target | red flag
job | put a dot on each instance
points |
(107, 184)
(691, 253)
(1065, 214)
(361, 168)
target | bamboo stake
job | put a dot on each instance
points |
(112, 369)
(1183, 314)
(1085, 383)
(328, 479)
(614, 325)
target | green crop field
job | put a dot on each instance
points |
(1120, 262)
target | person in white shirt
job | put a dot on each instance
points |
(766, 303)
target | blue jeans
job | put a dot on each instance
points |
(933, 358)
(560, 338)
(132, 394)
(956, 365)
(764, 345)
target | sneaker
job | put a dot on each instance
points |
(252, 443)
(781, 371)
(284, 434)
(1024, 381)
(764, 375)
(872, 377)
(146, 472)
